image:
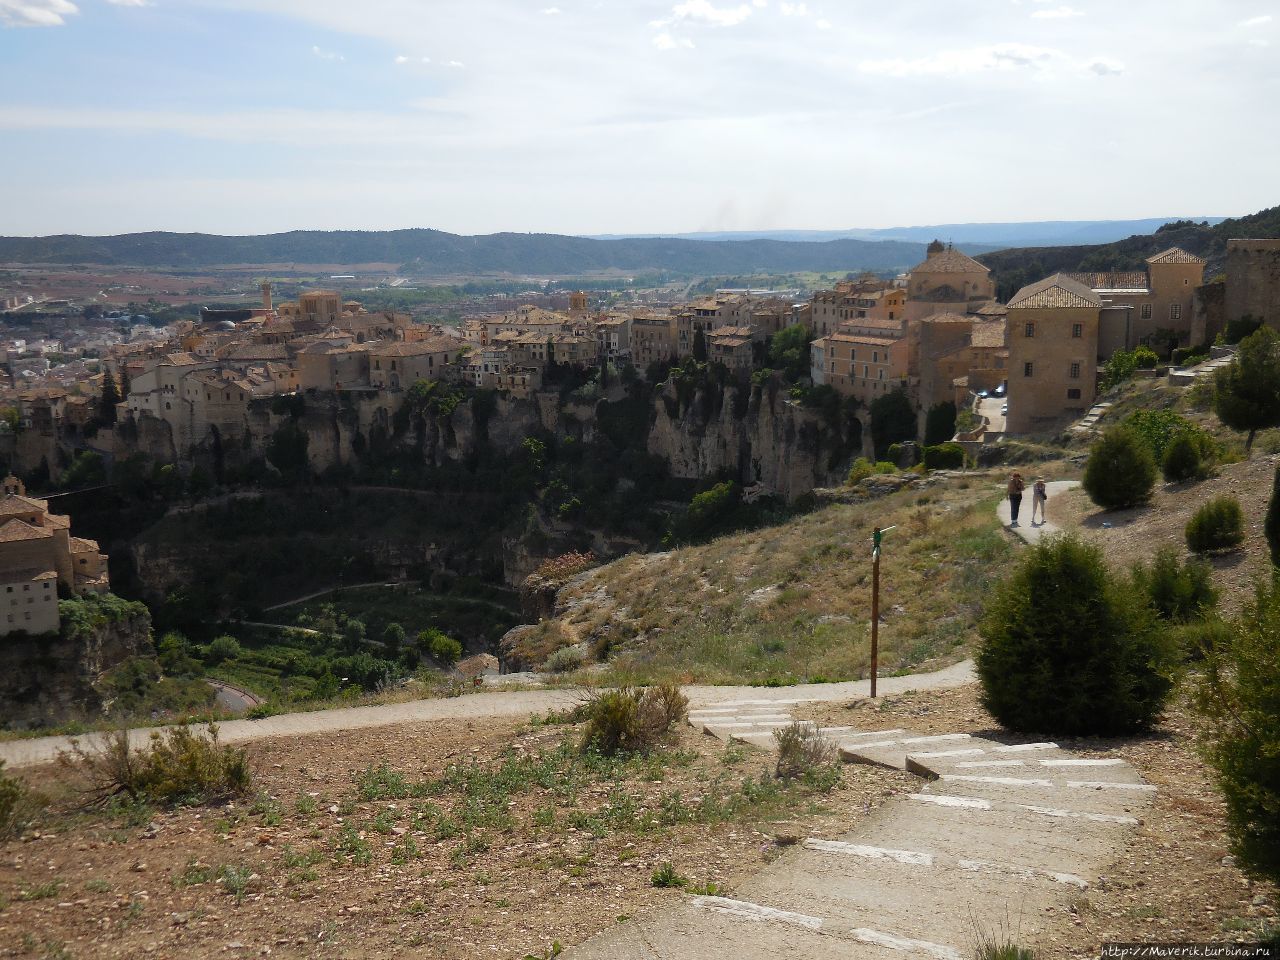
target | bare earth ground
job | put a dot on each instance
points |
(445, 877)
(1174, 881)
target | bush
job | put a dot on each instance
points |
(441, 648)
(1271, 526)
(863, 468)
(1177, 592)
(222, 648)
(939, 424)
(564, 660)
(944, 456)
(1190, 356)
(1121, 471)
(1145, 358)
(18, 805)
(1182, 459)
(666, 878)
(1218, 525)
(1240, 695)
(632, 721)
(1070, 649)
(1240, 328)
(176, 766)
(802, 751)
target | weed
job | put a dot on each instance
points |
(268, 808)
(353, 847)
(382, 783)
(384, 822)
(404, 851)
(195, 874)
(41, 891)
(176, 766)
(306, 805)
(235, 880)
(633, 721)
(97, 885)
(292, 859)
(18, 805)
(666, 878)
(802, 751)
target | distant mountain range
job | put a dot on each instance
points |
(1041, 233)
(432, 253)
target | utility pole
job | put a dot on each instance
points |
(875, 605)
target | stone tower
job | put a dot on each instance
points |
(266, 295)
(578, 303)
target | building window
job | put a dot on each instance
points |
(875, 356)
(1077, 330)
(1030, 330)
(1175, 311)
(1026, 369)
(26, 587)
(1075, 371)
(1073, 393)
(1146, 311)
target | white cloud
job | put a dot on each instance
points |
(998, 58)
(794, 10)
(130, 3)
(1106, 68)
(456, 63)
(402, 59)
(36, 13)
(1057, 13)
(1256, 21)
(823, 24)
(665, 41)
(326, 54)
(704, 11)
(551, 12)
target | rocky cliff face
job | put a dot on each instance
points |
(757, 436)
(51, 679)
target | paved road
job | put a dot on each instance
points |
(234, 699)
(990, 408)
(1033, 533)
(515, 703)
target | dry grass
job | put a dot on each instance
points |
(792, 602)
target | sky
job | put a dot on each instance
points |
(635, 116)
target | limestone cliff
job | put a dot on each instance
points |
(50, 679)
(755, 434)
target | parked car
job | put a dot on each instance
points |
(982, 394)
(1000, 390)
(1004, 409)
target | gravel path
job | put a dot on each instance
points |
(24, 753)
(1033, 532)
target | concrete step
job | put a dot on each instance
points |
(710, 928)
(892, 751)
(1121, 799)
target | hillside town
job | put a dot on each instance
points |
(937, 333)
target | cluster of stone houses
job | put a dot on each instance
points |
(39, 556)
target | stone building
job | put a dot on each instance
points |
(857, 366)
(1253, 281)
(395, 365)
(731, 346)
(1053, 352)
(39, 556)
(947, 281)
(653, 339)
(1159, 301)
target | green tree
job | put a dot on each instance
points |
(1240, 695)
(940, 424)
(1068, 648)
(393, 637)
(222, 648)
(1121, 471)
(700, 346)
(893, 420)
(110, 397)
(1178, 592)
(1272, 524)
(789, 351)
(1246, 394)
(353, 634)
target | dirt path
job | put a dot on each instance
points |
(1034, 532)
(25, 753)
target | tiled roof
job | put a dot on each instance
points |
(870, 323)
(417, 348)
(1175, 255)
(1121, 280)
(1056, 291)
(991, 309)
(869, 341)
(989, 333)
(950, 261)
(946, 318)
(81, 545)
(15, 530)
(12, 504)
(29, 574)
(728, 331)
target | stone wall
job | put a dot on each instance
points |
(1208, 313)
(1253, 280)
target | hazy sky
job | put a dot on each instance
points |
(252, 116)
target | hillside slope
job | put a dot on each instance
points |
(792, 602)
(1016, 267)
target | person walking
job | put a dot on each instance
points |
(1039, 497)
(1016, 486)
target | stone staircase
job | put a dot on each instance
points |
(995, 835)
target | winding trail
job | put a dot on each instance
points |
(1026, 530)
(511, 703)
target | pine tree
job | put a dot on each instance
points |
(1272, 524)
(110, 397)
(700, 347)
(1246, 394)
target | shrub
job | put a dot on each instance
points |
(564, 660)
(1241, 327)
(1217, 525)
(944, 456)
(441, 648)
(939, 424)
(632, 721)
(1159, 428)
(1177, 592)
(1070, 649)
(1190, 356)
(1246, 393)
(1240, 695)
(1271, 526)
(863, 468)
(1121, 471)
(566, 565)
(1182, 459)
(1145, 358)
(18, 805)
(802, 751)
(666, 878)
(222, 648)
(176, 766)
